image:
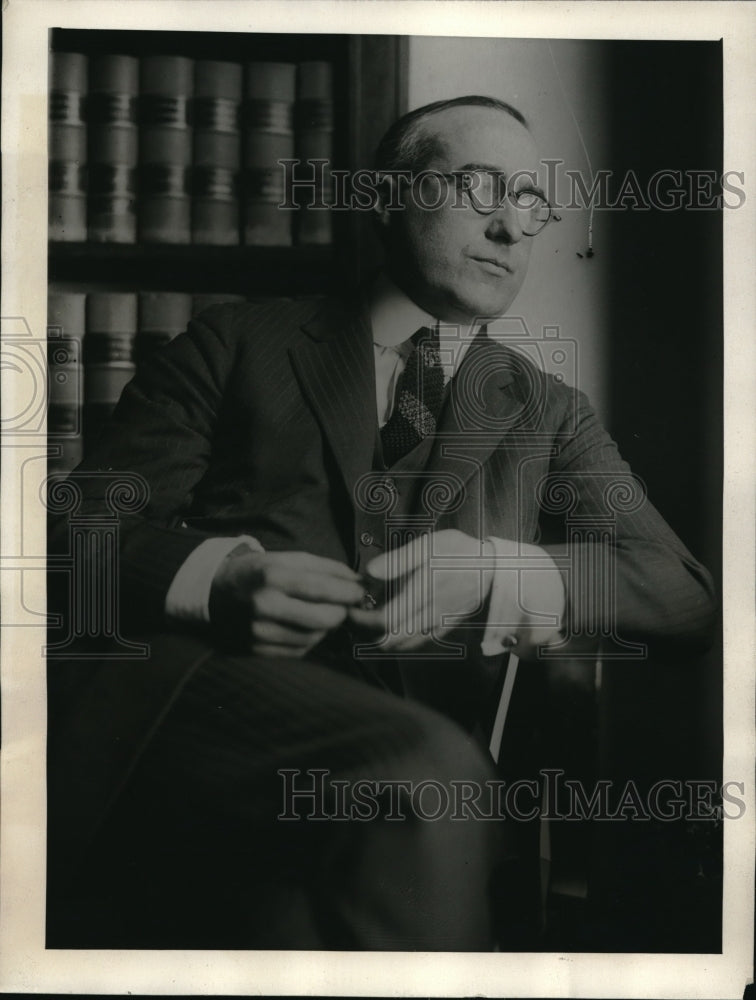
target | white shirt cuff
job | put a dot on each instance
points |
(188, 597)
(510, 573)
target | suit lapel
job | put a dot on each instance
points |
(484, 404)
(336, 370)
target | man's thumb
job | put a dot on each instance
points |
(398, 562)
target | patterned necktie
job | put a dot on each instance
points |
(417, 400)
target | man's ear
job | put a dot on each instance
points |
(388, 195)
(385, 196)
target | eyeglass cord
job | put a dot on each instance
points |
(589, 252)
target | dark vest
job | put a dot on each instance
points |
(393, 506)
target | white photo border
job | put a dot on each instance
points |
(25, 964)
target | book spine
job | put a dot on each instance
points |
(108, 355)
(67, 151)
(165, 149)
(268, 112)
(65, 333)
(314, 145)
(217, 141)
(208, 299)
(162, 316)
(113, 144)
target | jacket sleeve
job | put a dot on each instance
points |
(156, 448)
(627, 575)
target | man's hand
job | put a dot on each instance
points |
(281, 603)
(438, 578)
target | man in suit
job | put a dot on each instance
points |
(346, 526)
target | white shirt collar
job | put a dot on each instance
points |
(394, 317)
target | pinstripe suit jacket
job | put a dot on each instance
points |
(261, 419)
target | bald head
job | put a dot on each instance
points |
(413, 140)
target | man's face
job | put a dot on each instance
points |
(452, 261)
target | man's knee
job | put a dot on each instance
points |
(432, 747)
(415, 864)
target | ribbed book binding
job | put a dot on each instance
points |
(217, 149)
(113, 148)
(270, 91)
(108, 355)
(314, 145)
(162, 316)
(65, 333)
(165, 149)
(67, 178)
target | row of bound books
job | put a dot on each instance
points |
(166, 149)
(95, 341)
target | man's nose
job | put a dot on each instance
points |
(504, 224)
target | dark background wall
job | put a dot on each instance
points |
(646, 314)
(665, 343)
(665, 387)
(645, 311)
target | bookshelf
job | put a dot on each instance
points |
(164, 182)
(369, 92)
(255, 270)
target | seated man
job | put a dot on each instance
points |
(341, 536)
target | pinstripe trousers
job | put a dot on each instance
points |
(194, 852)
